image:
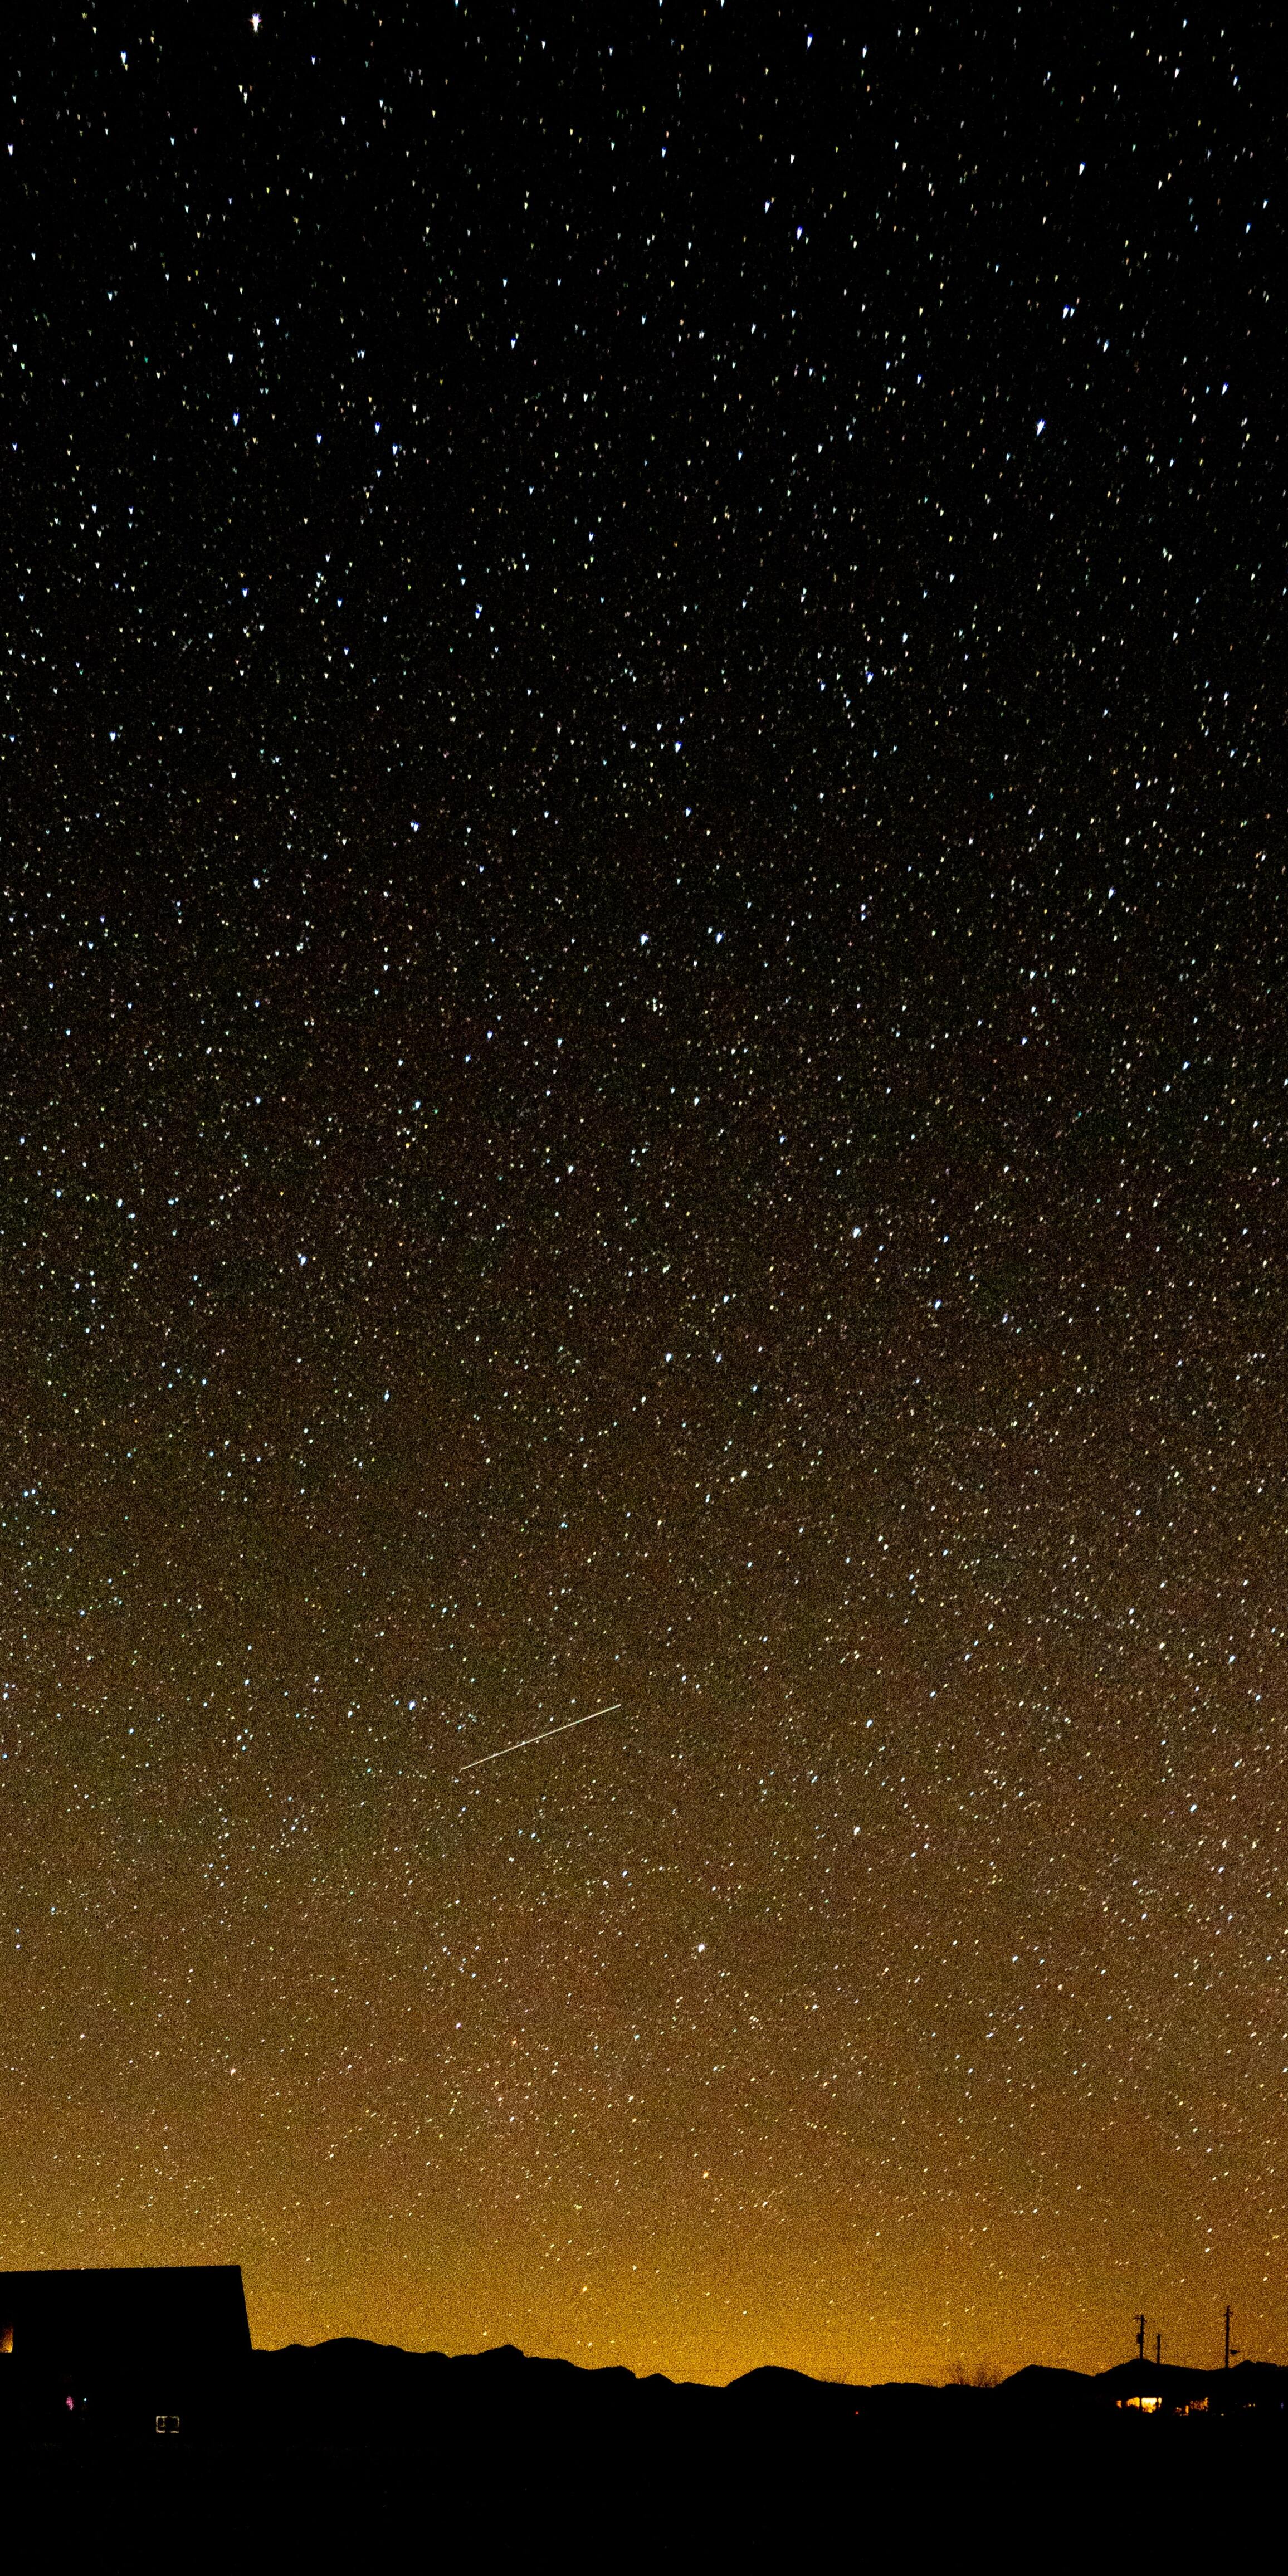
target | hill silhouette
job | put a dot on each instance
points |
(327, 2449)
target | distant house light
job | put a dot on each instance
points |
(1142, 2405)
(167, 2423)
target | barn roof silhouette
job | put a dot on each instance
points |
(191, 2316)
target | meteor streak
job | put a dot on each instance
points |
(525, 1740)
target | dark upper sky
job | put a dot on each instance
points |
(643, 1058)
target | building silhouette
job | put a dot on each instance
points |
(157, 2349)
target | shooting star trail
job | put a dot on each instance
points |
(526, 1740)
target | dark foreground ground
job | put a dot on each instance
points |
(351, 2455)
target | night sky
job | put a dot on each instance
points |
(644, 1061)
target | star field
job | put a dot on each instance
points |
(644, 1063)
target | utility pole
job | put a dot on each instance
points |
(1231, 2349)
(1140, 2336)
